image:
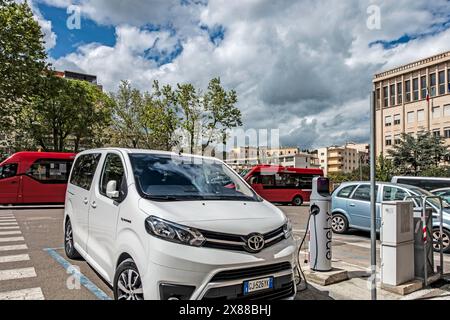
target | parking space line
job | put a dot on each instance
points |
(15, 274)
(26, 294)
(88, 284)
(9, 233)
(13, 239)
(15, 258)
(14, 248)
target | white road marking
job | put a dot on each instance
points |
(9, 233)
(10, 228)
(7, 217)
(8, 221)
(8, 224)
(14, 248)
(26, 294)
(12, 239)
(15, 258)
(15, 274)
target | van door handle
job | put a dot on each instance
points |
(94, 204)
(85, 201)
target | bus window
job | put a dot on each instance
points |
(268, 181)
(8, 170)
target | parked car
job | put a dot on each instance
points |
(35, 178)
(157, 225)
(351, 207)
(282, 185)
(426, 183)
(444, 193)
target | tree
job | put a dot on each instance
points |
(188, 103)
(64, 109)
(22, 59)
(415, 154)
(385, 169)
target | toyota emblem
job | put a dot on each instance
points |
(255, 242)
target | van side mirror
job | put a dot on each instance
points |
(111, 190)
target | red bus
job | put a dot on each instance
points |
(282, 185)
(35, 178)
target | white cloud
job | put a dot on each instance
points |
(304, 66)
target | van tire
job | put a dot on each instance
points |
(125, 289)
(339, 223)
(297, 201)
(69, 248)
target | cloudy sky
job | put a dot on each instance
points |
(303, 66)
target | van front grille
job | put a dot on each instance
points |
(253, 272)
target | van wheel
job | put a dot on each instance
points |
(339, 223)
(445, 240)
(69, 248)
(297, 201)
(127, 282)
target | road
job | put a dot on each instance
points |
(33, 264)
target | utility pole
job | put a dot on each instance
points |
(373, 199)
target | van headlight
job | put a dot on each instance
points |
(173, 232)
(287, 229)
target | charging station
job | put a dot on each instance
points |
(320, 226)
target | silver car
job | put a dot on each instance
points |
(351, 207)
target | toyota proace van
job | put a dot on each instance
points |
(158, 225)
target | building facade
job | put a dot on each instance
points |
(343, 159)
(412, 98)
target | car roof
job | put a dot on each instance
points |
(145, 151)
(389, 184)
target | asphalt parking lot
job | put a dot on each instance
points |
(33, 264)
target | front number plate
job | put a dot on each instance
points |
(258, 285)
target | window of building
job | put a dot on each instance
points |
(392, 92)
(416, 89)
(448, 80)
(437, 133)
(447, 110)
(399, 93)
(423, 87)
(410, 117)
(421, 115)
(447, 133)
(397, 139)
(397, 120)
(388, 121)
(433, 84)
(408, 90)
(441, 76)
(388, 141)
(385, 97)
(378, 98)
(436, 112)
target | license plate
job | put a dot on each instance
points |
(258, 285)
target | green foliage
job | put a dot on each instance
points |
(64, 110)
(22, 59)
(414, 155)
(385, 169)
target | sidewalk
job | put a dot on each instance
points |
(358, 288)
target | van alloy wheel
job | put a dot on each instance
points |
(445, 240)
(130, 286)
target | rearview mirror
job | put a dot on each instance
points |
(111, 190)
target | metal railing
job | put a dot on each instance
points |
(423, 200)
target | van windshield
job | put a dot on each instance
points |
(177, 178)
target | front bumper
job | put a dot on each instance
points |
(219, 274)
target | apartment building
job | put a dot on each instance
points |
(247, 157)
(413, 98)
(343, 159)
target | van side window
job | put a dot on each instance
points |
(84, 170)
(112, 171)
(50, 171)
(8, 170)
(346, 192)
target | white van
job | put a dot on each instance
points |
(158, 225)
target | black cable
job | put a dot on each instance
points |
(317, 243)
(299, 267)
